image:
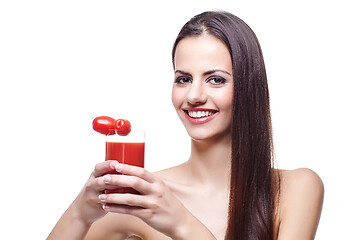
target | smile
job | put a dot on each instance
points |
(198, 116)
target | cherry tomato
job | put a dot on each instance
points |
(104, 125)
(122, 127)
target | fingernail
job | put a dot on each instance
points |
(119, 167)
(107, 178)
(113, 164)
(102, 197)
(105, 207)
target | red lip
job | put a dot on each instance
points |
(202, 119)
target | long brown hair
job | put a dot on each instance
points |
(253, 187)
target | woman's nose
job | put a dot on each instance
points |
(196, 94)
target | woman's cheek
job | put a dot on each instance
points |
(176, 98)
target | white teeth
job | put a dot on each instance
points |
(199, 114)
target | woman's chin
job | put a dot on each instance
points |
(208, 136)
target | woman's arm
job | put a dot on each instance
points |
(301, 199)
(70, 226)
(86, 208)
(156, 206)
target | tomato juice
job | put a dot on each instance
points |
(127, 153)
(131, 153)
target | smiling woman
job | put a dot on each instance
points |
(203, 87)
(228, 188)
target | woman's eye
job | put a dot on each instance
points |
(216, 80)
(183, 80)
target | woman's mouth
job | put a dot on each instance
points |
(200, 115)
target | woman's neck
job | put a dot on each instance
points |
(209, 162)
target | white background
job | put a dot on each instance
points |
(62, 63)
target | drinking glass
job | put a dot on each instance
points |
(129, 149)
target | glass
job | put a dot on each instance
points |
(129, 149)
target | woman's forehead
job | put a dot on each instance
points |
(205, 50)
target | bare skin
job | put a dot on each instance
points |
(189, 200)
(295, 220)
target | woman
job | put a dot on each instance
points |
(228, 188)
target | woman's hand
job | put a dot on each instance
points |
(87, 205)
(156, 205)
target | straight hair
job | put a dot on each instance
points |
(254, 184)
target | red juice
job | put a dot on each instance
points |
(131, 153)
(127, 153)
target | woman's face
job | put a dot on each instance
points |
(203, 87)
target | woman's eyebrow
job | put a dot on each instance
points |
(183, 72)
(216, 70)
(205, 73)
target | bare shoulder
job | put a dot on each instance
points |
(295, 180)
(301, 199)
(303, 183)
